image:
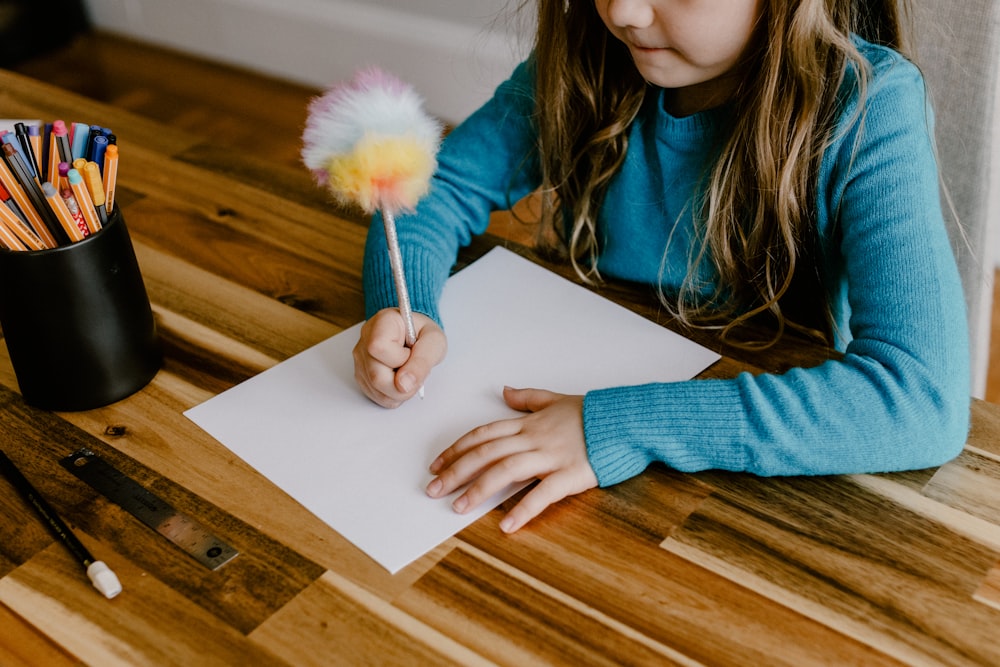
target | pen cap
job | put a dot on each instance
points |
(77, 321)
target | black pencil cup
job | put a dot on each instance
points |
(77, 321)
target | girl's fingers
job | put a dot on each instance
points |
(479, 437)
(520, 467)
(384, 339)
(387, 371)
(484, 462)
(547, 444)
(549, 490)
(429, 350)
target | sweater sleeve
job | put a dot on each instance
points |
(484, 165)
(899, 397)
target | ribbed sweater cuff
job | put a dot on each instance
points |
(679, 423)
(424, 280)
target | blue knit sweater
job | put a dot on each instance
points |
(899, 397)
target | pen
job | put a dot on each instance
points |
(61, 136)
(97, 149)
(51, 151)
(21, 230)
(110, 176)
(35, 139)
(63, 214)
(21, 131)
(101, 576)
(9, 240)
(10, 203)
(94, 132)
(74, 210)
(7, 235)
(35, 194)
(92, 176)
(63, 178)
(79, 140)
(399, 278)
(86, 204)
(27, 209)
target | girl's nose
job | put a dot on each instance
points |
(631, 13)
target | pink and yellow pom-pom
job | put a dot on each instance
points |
(371, 143)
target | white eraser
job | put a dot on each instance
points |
(104, 579)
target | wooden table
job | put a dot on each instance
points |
(247, 264)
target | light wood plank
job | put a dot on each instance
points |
(989, 592)
(22, 645)
(970, 483)
(337, 617)
(161, 627)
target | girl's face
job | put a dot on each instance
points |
(687, 46)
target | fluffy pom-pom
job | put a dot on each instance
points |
(371, 143)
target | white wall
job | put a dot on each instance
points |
(454, 52)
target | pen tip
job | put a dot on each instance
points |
(104, 579)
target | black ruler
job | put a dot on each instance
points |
(196, 540)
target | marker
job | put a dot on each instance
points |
(92, 177)
(65, 218)
(100, 574)
(110, 176)
(79, 189)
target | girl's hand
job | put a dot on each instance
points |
(387, 371)
(547, 444)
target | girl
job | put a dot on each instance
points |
(750, 159)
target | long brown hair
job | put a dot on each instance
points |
(755, 214)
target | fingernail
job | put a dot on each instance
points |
(407, 382)
(438, 462)
(434, 488)
(460, 504)
(507, 524)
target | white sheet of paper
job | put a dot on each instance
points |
(362, 469)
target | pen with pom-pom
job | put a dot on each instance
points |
(371, 143)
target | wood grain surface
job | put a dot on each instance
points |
(246, 263)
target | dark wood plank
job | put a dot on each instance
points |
(242, 593)
(819, 545)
